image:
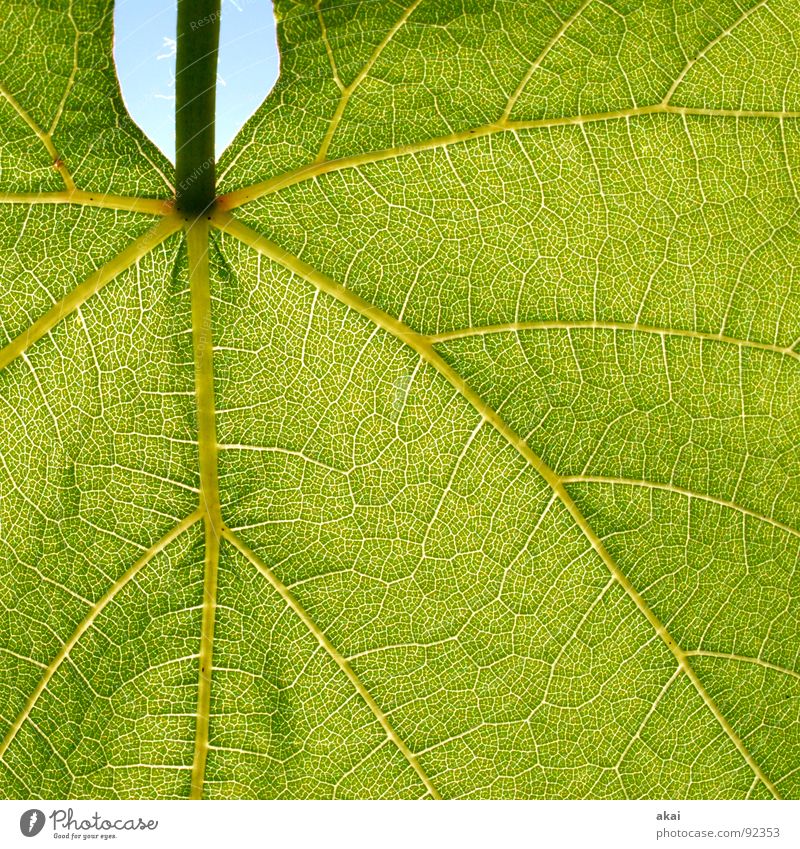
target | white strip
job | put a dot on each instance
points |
(621, 825)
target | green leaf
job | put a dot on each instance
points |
(452, 450)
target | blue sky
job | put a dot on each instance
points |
(144, 50)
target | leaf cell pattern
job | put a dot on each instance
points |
(454, 453)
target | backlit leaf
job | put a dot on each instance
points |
(455, 452)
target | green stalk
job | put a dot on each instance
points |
(195, 97)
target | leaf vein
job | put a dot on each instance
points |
(88, 621)
(339, 659)
(420, 344)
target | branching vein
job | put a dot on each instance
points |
(197, 240)
(519, 326)
(96, 281)
(236, 198)
(348, 90)
(126, 203)
(43, 136)
(335, 654)
(423, 347)
(668, 487)
(87, 623)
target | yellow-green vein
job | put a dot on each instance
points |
(78, 197)
(512, 101)
(348, 90)
(86, 623)
(236, 198)
(341, 662)
(740, 658)
(423, 347)
(678, 490)
(93, 283)
(197, 242)
(710, 46)
(44, 137)
(617, 326)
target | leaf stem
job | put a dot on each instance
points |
(195, 97)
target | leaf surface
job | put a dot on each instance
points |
(454, 453)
